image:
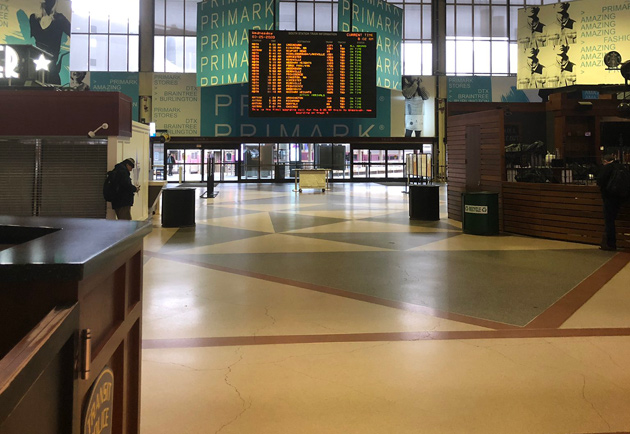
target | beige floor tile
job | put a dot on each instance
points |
(271, 207)
(500, 242)
(484, 386)
(158, 237)
(367, 226)
(211, 303)
(278, 243)
(260, 222)
(349, 214)
(609, 307)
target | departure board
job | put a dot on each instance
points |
(312, 73)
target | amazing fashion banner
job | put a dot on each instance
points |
(127, 83)
(44, 24)
(564, 44)
(385, 20)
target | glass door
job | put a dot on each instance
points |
(360, 163)
(250, 161)
(395, 164)
(175, 164)
(193, 170)
(224, 164)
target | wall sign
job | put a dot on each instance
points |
(225, 113)
(99, 407)
(19, 63)
(176, 104)
(564, 44)
(45, 25)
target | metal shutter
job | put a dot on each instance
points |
(72, 174)
(17, 177)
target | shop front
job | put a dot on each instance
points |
(185, 160)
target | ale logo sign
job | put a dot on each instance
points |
(100, 405)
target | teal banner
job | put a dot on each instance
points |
(385, 20)
(469, 89)
(43, 24)
(123, 82)
(225, 113)
(223, 40)
(488, 89)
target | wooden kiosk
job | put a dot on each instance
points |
(69, 309)
(559, 209)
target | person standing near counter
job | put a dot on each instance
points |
(123, 200)
(612, 201)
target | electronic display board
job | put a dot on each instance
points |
(312, 73)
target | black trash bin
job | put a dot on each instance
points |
(480, 213)
(178, 207)
(424, 202)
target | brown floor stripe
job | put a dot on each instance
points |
(381, 337)
(562, 310)
(342, 293)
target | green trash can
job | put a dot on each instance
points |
(480, 213)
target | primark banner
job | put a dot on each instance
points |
(176, 104)
(385, 20)
(45, 25)
(564, 44)
(225, 113)
(127, 83)
(223, 41)
(488, 89)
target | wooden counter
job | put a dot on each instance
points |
(61, 277)
(565, 212)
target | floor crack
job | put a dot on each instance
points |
(246, 405)
(592, 405)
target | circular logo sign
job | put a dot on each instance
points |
(99, 407)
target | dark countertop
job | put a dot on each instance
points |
(46, 248)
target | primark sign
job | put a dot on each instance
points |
(20, 64)
(225, 113)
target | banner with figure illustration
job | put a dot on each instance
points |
(44, 24)
(564, 44)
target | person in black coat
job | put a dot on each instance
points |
(125, 189)
(612, 204)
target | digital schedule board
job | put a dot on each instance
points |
(312, 73)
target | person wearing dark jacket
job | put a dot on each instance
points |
(125, 189)
(612, 204)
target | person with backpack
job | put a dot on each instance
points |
(119, 189)
(613, 180)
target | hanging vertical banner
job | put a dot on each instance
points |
(44, 24)
(176, 104)
(222, 38)
(419, 95)
(385, 20)
(565, 44)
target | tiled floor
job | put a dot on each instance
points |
(334, 313)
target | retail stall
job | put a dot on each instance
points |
(542, 160)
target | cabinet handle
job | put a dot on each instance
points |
(86, 351)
